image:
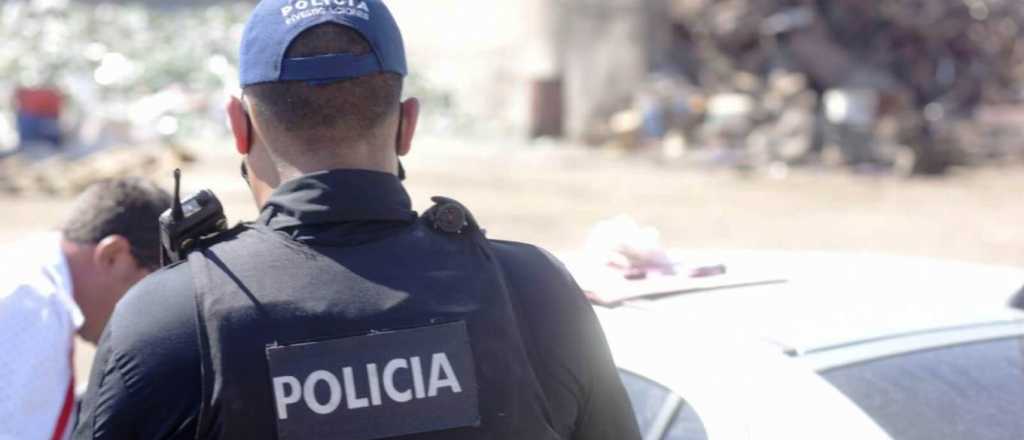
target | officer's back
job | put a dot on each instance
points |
(339, 312)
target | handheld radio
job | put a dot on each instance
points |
(186, 223)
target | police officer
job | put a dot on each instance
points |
(340, 313)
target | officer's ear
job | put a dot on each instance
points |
(410, 116)
(241, 126)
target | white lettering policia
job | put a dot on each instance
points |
(381, 383)
(303, 9)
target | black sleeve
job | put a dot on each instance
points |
(607, 412)
(105, 406)
(568, 346)
(145, 379)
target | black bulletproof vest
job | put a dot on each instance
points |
(261, 289)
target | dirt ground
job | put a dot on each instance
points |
(551, 196)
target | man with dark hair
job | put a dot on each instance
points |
(340, 313)
(54, 285)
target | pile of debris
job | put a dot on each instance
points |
(127, 86)
(919, 85)
(66, 176)
(134, 81)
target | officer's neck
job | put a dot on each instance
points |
(314, 159)
(270, 167)
(293, 171)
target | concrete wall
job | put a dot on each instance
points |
(491, 54)
(605, 51)
(486, 53)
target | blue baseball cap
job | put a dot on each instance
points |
(276, 23)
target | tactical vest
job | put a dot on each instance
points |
(414, 336)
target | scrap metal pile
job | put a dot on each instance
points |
(916, 85)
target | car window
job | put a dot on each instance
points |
(686, 426)
(972, 391)
(655, 406)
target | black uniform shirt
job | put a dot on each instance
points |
(145, 381)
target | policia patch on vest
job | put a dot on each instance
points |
(375, 386)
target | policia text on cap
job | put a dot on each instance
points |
(340, 313)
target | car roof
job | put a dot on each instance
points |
(738, 388)
(732, 352)
(834, 299)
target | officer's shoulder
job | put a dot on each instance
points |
(523, 252)
(175, 279)
(159, 307)
(527, 260)
(227, 237)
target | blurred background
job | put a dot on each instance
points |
(886, 127)
(883, 127)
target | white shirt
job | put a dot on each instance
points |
(38, 320)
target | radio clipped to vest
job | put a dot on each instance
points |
(449, 216)
(186, 223)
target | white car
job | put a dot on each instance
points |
(818, 346)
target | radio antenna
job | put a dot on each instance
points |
(176, 212)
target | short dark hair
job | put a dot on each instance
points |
(129, 207)
(335, 112)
